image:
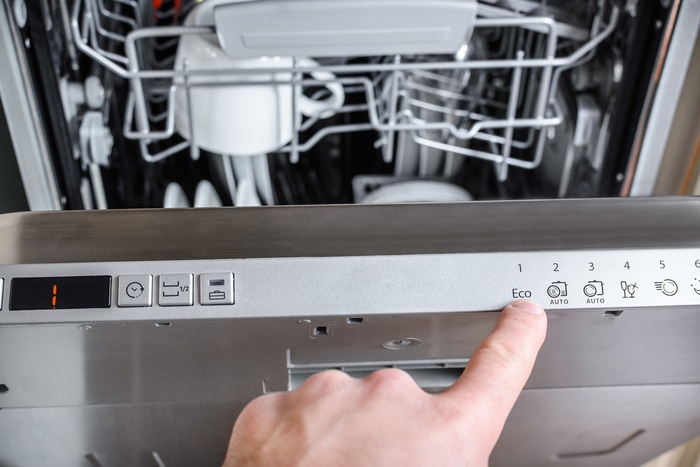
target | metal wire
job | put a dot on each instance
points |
(426, 97)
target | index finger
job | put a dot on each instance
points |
(501, 365)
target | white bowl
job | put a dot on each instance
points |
(418, 191)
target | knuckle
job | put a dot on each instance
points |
(254, 419)
(327, 378)
(261, 407)
(323, 382)
(391, 380)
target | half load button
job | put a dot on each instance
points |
(175, 290)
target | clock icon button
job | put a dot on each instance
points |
(134, 289)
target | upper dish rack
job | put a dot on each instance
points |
(484, 90)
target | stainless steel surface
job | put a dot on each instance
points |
(356, 289)
(23, 120)
(313, 231)
(673, 64)
(597, 279)
(679, 172)
(550, 251)
(157, 383)
(602, 426)
(203, 429)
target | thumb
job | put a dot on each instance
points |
(500, 367)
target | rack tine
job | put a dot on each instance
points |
(159, 461)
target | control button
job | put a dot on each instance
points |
(593, 289)
(216, 289)
(668, 287)
(558, 289)
(175, 290)
(2, 283)
(695, 285)
(628, 289)
(135, 290)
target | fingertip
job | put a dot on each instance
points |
(526, 322)
(527, 306)
(529, 314)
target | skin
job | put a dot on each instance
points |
(385, 419)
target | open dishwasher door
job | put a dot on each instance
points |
(136, 337)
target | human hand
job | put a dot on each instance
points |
(386, 419)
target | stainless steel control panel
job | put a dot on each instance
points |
(286, 287)
(611, 255)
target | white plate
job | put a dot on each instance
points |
(206, 196)
(263, 183)
(412, 158)
(418, 191)
(246, 194)
(431, 159)
(175, 197)
(223, 168)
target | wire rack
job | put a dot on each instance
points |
(493, 99)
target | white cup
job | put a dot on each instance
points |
(237, 118)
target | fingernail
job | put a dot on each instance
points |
(528, 306)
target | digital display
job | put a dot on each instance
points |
(60, 293)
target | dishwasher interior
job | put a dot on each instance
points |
(518, 99)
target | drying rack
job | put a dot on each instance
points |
(462, 97)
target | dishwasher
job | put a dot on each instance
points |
(230, 196)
